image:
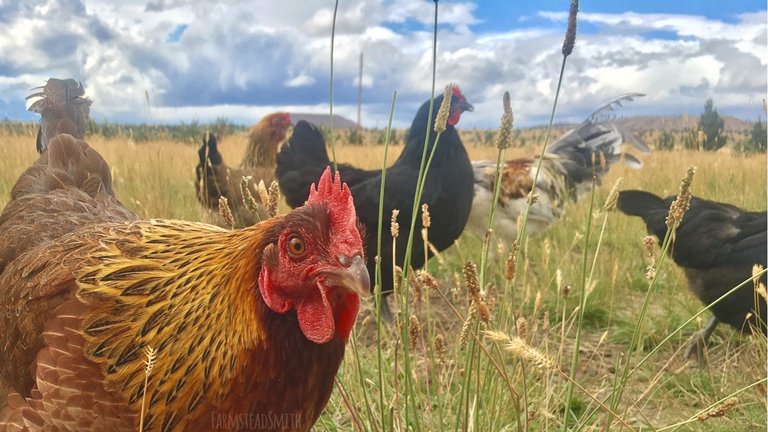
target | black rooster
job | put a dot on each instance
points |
(716, 245)
(448, 188)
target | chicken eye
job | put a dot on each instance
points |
(296, 246)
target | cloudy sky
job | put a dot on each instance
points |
(172, 60)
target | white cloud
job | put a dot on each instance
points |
(239, 59)
(300, 81)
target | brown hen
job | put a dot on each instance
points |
(247, 325)
(216, 179)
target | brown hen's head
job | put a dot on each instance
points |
(317, 266)
(275, 125)
(62, 108)
(279, 121)
(459, 104)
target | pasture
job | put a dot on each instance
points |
(473, 383)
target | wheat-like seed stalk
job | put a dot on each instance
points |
(416, 283)
(248, 199)
(537, 303)
(683, 200)
(263, 193)
(467, 326)
(520, 349)
(225, 212)
(414, 331)
(570, 33)
(504, 137)
(149, 363)
(719, 410)
(440, 349)
(650, 256)
(394, 226)
(522, 327)
(613, 195)
(470, 278)
(445, 109)
(274, 198)
(427, 279)
(510, 266)
(426, 219)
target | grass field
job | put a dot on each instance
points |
(480, 386)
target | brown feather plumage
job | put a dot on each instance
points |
(264, 139)
(86, 287)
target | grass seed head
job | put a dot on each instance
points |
(613, 195)
(650, 255)
(520, 349)
(440, 349)
(225, 212)
(274, 199)
(522, 327)
(470, 278)
(427, 279)
(426, 220)
(511, 264)
(467, 326)
(482, 310)
(248, 200)
(394, 227)
(149, 362)
(445, 109)
(263, 192)
(683, 201)
(720, 410)
(416, 283)
(504, 137)
(414, 331)
(570, 33)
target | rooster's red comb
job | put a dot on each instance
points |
(456, 90)
(331, 191)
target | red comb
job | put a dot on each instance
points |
(456, 90)
(332, 191)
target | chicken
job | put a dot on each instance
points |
(264, 138)
(566, 174)
(447, 189)
(250, 322)
(259, 163)
(65, 108)
(716, 245)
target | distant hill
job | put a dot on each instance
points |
(681, 122)
(669, 123)
(324, 120)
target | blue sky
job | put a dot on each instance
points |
(242, 60)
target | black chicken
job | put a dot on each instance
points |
(716, 245)
(448, 188)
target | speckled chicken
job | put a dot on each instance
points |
(566, 174)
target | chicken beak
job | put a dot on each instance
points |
(352, 276)
(466, 106)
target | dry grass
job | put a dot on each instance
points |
(155, 179)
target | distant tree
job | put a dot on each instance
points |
(691, 139)
(666, 141)
(759, 136)
(756, 142)
(713, 127)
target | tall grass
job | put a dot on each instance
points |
(554, 360)
(671, 393)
